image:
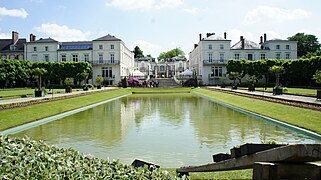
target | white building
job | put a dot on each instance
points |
(210, 56)
(161, 69)
(108, 55)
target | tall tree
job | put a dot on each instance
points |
(177, 52)
(138, 53)
(307, 43)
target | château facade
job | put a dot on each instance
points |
(108, 55)
(211, 54)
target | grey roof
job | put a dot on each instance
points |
(108, 38)
(46, 40)
(5, 44)
(247, 45)
(77, 45)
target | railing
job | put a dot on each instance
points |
(211, 62)
(95, 62)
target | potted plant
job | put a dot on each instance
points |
(99, 80)
(277, 70)
(233, 76)
(317, 78)
(222, 80)
(37, 74)
(252, 81)
(69, 82)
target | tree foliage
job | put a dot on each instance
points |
(307, 43)
(177, 52)
(20, 72)
(138, 53)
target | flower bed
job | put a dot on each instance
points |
(23, 158)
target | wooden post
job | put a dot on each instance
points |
(267, 171)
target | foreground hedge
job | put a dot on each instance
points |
(23, 158)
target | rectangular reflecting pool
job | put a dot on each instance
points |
(171, 130)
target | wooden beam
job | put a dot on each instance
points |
(291, 153)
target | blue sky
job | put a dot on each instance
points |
(159, 25)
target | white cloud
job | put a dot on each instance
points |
(62, 32)
(5, 36)
(267, 14)
(13, 12)
(193, 11)
(147, 47)
(144, 4)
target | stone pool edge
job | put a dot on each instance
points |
(23, 127)
(289, 126)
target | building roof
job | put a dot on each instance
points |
(45, 40)
(6, 43)
(108, 38)
(247, 45)
(77, 45)
(214, 38)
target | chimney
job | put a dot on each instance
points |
(261, 40)
(200, 37)
(15, 37)
(264, 37)
(224, 35)
(242, 42)
(195, 46)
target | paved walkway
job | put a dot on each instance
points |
(18, 100)
(267, 94)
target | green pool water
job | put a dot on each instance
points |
(171, 130)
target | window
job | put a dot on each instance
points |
(100, 58)
(180, 64)
(236, 56)
(278, 56)
(34, 49)
(210, 57)
(221, 57)
(162, 68)
(217, 72)
(287, 47)
(287, 56)
(221, 46)
(86, 56)
(112, 46)
(112, 58)
(210, 46)
(100, 46)
(46, 48)
(249, 56)
(34, 57)
(107, 72)
(263, 56)
(277, 47)
(46, 58)
(75, 58)
(3, 57)
(63, 58)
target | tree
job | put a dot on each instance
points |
(307, 43)
(177, 52)
(277, 70)
(37, 74)
(138, 53)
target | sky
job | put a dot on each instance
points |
(159, 25)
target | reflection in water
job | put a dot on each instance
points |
(170, 130)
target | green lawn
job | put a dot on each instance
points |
(305, 118)
(25, 92)
(295, 91)
(18, 116)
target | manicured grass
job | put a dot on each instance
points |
(239, 174)
(18, 116)
(26, 92)
(295, 91)
(305, 118)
